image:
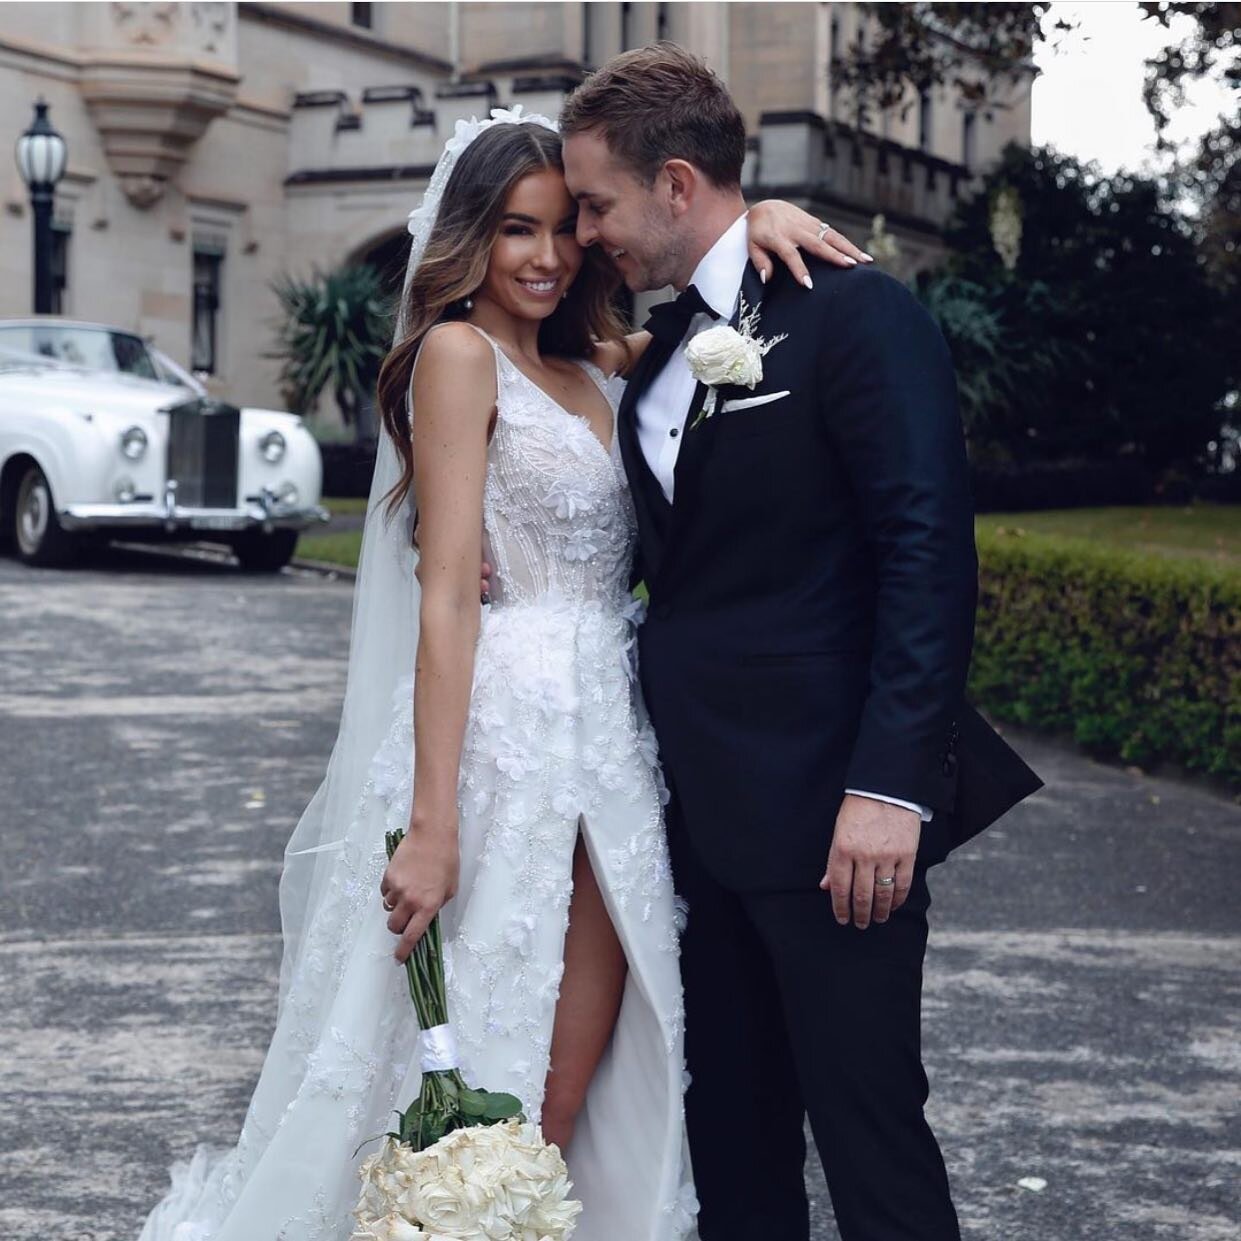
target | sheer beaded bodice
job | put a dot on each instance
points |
(556, 508)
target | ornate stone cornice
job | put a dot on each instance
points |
(154, 77)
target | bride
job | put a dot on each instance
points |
(533, 808)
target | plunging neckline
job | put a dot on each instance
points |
(582, 418)
(605, 448)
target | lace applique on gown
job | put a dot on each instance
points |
(556, 742)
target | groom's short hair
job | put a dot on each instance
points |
(659, 103)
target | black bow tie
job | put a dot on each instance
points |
(670, 321)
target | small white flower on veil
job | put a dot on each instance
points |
(423, 213)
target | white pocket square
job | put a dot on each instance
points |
(749, 402)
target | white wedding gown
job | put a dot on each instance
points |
(555, 743)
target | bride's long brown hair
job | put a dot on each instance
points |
(455, 264)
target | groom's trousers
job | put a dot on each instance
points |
(789, 1015)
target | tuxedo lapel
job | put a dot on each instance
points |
(694, 445)
(649, 501)
(696, 440)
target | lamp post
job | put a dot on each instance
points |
(41, 155)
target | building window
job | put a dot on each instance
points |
(969, 128)
(924, 120)
(60, 267)
(661, 21)
(626, 18)
(204, 350)
(362, 15)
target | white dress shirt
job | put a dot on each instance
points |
(663, 408)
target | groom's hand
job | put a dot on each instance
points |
(873, 839)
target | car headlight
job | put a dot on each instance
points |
(272, 447)
(288, 495)
(133, 443)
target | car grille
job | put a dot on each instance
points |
(202, 453)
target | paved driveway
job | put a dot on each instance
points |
(162, 725)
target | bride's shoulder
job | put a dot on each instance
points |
(456, 343)
(455, 360)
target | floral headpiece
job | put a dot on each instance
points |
(422, 218)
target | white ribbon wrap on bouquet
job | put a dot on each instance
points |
(438, 1049)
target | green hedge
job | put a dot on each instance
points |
(1138, 657)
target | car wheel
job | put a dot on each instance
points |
(40, 538)
(265, 553)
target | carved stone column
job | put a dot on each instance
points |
(155, 77)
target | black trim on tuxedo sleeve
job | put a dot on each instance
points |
(888, 401)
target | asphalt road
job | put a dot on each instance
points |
(163, 723)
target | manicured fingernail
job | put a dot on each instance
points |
(807, 282)
(851, 260)
(870, 258)
(762, 275)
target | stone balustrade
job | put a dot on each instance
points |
(800, 155)
(398, 132)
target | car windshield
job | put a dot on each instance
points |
(98, 349)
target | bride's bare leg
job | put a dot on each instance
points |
(590, 999)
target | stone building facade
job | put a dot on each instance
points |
(216, 146)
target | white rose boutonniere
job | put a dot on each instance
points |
(728, 355)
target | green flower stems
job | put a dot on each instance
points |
(445, 1102)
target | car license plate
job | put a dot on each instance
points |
(213, 523)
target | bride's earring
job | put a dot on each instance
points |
(467, 304)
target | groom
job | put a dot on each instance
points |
(808, 547)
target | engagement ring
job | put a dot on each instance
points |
(388, 907)
(823, 230)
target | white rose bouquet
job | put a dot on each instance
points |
(463, 1165)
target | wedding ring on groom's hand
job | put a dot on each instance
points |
(388, 907)
(885, 881)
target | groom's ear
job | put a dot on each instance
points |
(682, 181)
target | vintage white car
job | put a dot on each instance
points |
(102, 436)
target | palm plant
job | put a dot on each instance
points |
(333, 333)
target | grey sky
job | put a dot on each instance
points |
(1088, 100)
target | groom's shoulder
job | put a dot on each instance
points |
(857, 288)
(848, 301)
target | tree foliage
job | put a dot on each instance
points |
(1105, 337)
(333, 333)
(977, 47)
(1210, 49)
(973, 47)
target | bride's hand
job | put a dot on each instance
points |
(420, 879)
(778, 229)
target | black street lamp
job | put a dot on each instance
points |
(41, 155)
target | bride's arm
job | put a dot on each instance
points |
(776, 230)
(454, 395)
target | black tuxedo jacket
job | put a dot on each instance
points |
(813, 587)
